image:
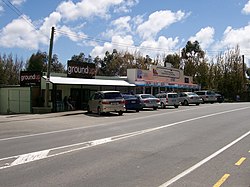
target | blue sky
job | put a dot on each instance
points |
(158, 27)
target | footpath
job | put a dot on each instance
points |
(23, 117)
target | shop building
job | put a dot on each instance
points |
(80, 83)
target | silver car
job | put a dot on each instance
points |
(148, 101)
(106, 101)
(187, 98)
(207, 96)
(168, 99)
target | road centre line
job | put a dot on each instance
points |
(103, 124)
(25, 158)
(194, 167)
(240, 161)
(222, 180)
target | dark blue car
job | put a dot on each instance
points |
(131, 102)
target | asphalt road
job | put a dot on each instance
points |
(206, 145)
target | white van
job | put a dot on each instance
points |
(168, 99)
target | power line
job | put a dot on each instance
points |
(88, 38)
(18, 12)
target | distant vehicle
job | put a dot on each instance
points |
(168, 99)
(207, 96)
(106, 101)
(148, 101)
(187, 98)
(132, 102)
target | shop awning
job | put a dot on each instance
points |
(79, 81)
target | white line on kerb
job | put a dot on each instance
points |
(189, 170)
(30, 157)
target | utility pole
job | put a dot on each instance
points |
(243, 66)
(49, 66)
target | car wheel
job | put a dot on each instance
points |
(99, 111)
(185, 103)
(120, 113)
(176, 106)
(137, 110)
(197, 104)
(162, 105)
(155, 108)
(88, 110)
(203, 101)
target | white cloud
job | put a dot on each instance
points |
(86, 8)
(120, 26)
(19, 33)
(17, 2)
(22, 34)
(126, 6)
(149, 47)
(74, 36)
(239, 36)
(1, 9)
(160, 46)
(158, 21)
(246, 9)
(233, 37)
(125, 43)
(205, 37)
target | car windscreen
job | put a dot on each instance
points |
(192, 94)
(147, 96)
(129, 97)
(112, 95)
(172, 95)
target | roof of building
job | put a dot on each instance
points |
(81, 81)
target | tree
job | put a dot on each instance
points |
(173, 59)
(78, 58)
(37, 62)
(192, 54)
(10, 69)
(231, 81)
(56, 65)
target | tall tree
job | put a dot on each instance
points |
(173, 59)
(56, 65)
(232, 80)
(37, 62)
(10, 69)
(79, 58)
(193, 55)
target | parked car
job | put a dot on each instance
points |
(220, 97)
(132, 102)
(106, 101)
(168, 99)
(207, 96)
(187, 98)
(148, 101)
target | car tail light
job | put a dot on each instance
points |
(191, 97)
(166, 99)
(123, 102)
(105, 102)
(146, 101)
(158, 100)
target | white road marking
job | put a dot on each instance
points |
(189, 170)
(85, 127)
(30, 157)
